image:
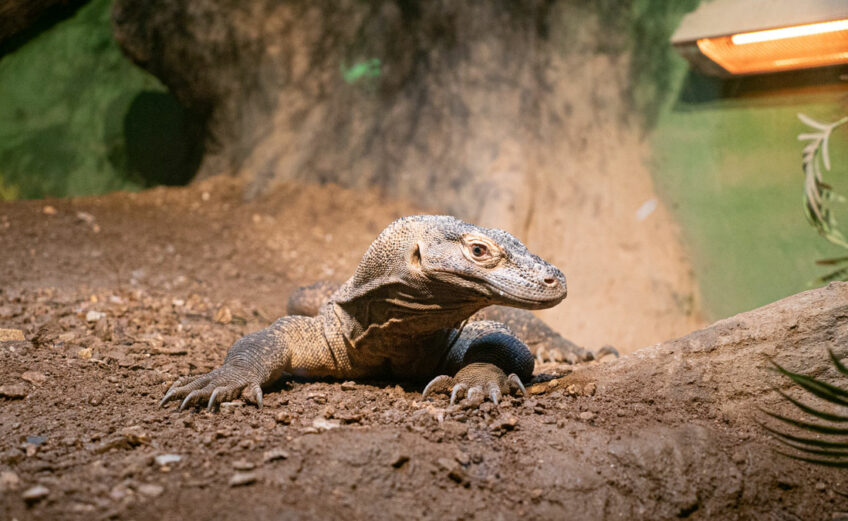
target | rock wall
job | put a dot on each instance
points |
(505, 114)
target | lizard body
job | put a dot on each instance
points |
(402, 315)
(545, 343)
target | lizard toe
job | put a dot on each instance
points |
(440, 384)
(459, 390)
(210, 390)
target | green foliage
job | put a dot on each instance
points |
(818, 195)
(8, 192)
(827, 446)
(64, 97)
(368, 69)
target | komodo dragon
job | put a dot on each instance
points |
(403, 315)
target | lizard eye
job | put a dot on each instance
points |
(479, 251)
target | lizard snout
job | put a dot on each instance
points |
(554, 279)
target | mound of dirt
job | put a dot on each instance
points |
(117, 296)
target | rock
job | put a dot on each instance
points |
(274, 455)
(223, 315)
(586, 415)
(447, 464)
(13, 391)
(11, 335)
(151, 490)
(34, 377)
(228, 407)
(166, 459)
(36, 440)
(94, 316)
(49, 210)
(348, 386)
(84, 353)
(242, 478)
(283, 417)
(35, 494)
(135, 436)
(399, 460)
(724, 366)
(85, 217)
(242, 464)
(506, 422)
(9, 481)
(455, 471)
(323, 424)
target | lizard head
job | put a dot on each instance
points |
(471, 262)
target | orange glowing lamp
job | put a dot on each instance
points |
(761, 36)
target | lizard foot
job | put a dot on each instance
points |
(221, 385)
(488, 380)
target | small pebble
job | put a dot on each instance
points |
(9, 481)
(151, 490)
(35, 494)
(13, 391)
(166, 459)
(11, 335)
(586, 415)
(399, 460)
(507, 422)
(49, 210)
(274, 454)
(231, 406)
(348, 386)
(283, 417)
(243, 464)
(323, 424)
(94, 316)
(242, 478)
(223, 315)
(34, 377)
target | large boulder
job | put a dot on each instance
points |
(674, 428)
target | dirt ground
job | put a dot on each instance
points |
(119, 295)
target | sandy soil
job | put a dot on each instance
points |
(119, 295)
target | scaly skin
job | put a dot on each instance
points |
(546, 344)
(402, 315)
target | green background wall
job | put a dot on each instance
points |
(76, 117)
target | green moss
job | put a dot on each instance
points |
(64, 100)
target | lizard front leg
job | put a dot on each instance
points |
(485, 358)
(289, 345)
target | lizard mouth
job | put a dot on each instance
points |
(527, 302)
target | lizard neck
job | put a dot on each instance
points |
(393, 312)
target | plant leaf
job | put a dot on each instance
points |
(821, 389)
(814, 427)
(806, 441)
(809, 410)
(811, 122)
(839, 367)
(826, 463)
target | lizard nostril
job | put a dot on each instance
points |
(550, 281)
